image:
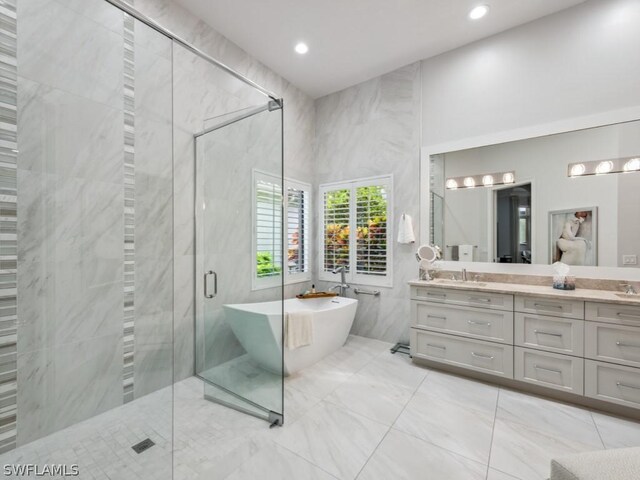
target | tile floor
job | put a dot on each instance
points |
(361, 413)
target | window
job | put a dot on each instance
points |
(268, 206)
(356, 222)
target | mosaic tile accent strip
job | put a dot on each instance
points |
(8, 231)
(129, 207)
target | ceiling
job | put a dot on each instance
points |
(351, 41)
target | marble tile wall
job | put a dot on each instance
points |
(70, 214)
(370, 129)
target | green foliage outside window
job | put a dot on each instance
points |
(265, 265)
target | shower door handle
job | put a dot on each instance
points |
(206, 284)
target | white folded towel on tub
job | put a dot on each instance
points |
(298, 330)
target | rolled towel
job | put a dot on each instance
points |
(298, 329)
(405, 230)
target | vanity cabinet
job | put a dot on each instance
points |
(571, 345)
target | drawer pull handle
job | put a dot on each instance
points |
(548, 333)
(480, 355)
(480, 299)
(484, 324)
(538, 367)
(441, 295)
(437, 317)
(622, 344)
(627, 315)
(626, 385)
(436, 346)
(547, 305)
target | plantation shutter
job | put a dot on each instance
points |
(268, 222)
(298, 228)
(336, 251)
(357, 231)
(371, 225)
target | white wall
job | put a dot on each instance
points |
(579, 62)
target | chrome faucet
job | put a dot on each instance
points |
(343, 281)
(629, 290)
(464, 274)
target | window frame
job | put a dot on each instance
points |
(285, 277)
(352, 276)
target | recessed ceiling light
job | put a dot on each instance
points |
(301, 48)
(478, 12)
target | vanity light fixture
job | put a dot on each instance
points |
(301, 48)
(451, 184)
(478, 12)
(603, 167)
(485, 179)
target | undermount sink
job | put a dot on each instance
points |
(628, 295)
(459, 282)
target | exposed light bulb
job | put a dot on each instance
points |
(469, 182)
(451, 184)
(604, 167)
(478, 12)
(508, 178)
(632, 165)
(487, 180)
(301, 48)
(578, 169)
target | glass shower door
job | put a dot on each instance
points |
(239, 251)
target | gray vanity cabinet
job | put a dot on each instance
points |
(584, 348)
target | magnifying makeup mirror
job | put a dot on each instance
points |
(426, 256)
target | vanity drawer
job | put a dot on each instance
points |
(468, 298)
(612, 383)
(483, 323)
(552, 370)
(612, 343)
(561, 335)
(477, 355)
(547, 306)
(612, 313)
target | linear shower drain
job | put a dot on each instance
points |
(145, 444)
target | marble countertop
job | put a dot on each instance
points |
(533, 290)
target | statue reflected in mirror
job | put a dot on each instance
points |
(575, 245)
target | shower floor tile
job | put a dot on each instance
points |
(328, 436)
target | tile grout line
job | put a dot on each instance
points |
(392, 424)
(493, 429)
(597, 430)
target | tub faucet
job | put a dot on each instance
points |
(343, 281)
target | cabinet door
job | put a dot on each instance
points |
(552, 370)
(554, 334)
(482, 323)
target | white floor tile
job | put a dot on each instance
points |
(403, 457)
(336, 440)
(521, 450)
(378, 401)
(617, 432)
(395, 369)
(555, 418)
(449, 425)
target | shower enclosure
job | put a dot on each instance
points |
(103, 111)
(239, 224)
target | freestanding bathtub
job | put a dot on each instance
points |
(258, 327)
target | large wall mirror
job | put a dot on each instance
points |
(571, 197)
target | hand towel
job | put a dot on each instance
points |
(405, 230)
(466, 253)
(298, 329)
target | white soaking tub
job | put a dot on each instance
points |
(258, 327)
